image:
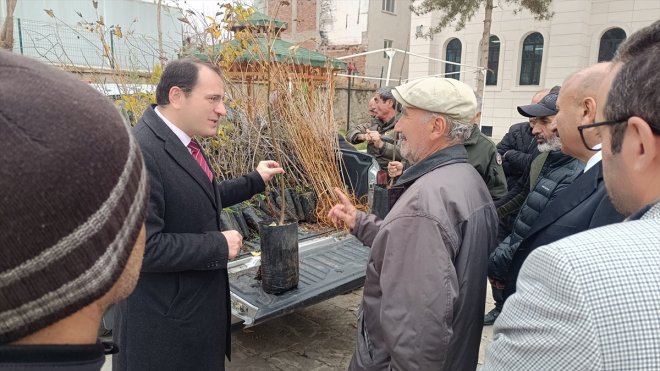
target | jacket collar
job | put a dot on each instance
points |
(579, 190)
(179, 153)
(650, 211)
(474, 137)
(445, 156)
(389, 125)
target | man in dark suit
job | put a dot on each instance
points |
(584, 204)
(178, 318)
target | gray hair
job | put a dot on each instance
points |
(458, 130)
(479, 102)
(385, 94)
(631, 95)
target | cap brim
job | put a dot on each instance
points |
(400, 99)
(535, 110)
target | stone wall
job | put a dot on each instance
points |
(359, 100)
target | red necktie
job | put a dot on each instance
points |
(197, 154)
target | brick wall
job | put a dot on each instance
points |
(306, 14)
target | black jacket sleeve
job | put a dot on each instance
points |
(233, 191)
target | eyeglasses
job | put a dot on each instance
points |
(595, 124)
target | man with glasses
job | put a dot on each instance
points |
(590, 301)
(550, 173)
(585, 204)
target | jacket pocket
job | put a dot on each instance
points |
(364, 346)
(176, 298)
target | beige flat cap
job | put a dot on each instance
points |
(450, 97)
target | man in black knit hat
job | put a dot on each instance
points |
(73, 196)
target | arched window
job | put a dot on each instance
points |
(453, 54)
(532, 56)
(609, 42)
(493, 60)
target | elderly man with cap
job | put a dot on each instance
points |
(74, 198)
(425, 282)
(550, 173)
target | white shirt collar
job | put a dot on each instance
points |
(185, 139)
(594, 159)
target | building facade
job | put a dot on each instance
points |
(526, 55)
(339, 28)
(51, 31)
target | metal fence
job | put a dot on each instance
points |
(72, 45)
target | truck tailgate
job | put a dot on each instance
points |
(329, 266)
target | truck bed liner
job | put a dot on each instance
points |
(329, 266)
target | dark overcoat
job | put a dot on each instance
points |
(178, 317)
(583, 205)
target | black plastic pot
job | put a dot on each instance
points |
(252, 218)
(240, 220)
(279, 257)
(381, 202)
(308, 204)
(295, 199)
(228, 221)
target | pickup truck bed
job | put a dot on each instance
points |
(330, 265)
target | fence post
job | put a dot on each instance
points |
(348, 108)
(20, 35)
(111, 57)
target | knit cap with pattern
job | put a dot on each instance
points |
(72, 195)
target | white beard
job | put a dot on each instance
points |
(552, 144)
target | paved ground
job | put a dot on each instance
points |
(317, 338)
(320, 337)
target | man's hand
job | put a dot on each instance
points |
(234, 243)
(374, 138)
(500, 285)
(268, 169)
(394, 169)
(343, 211)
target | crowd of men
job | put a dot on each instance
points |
(93, 213)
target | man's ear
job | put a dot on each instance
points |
(439, 127)
(589, 112)
(176, 96)
(644, 144)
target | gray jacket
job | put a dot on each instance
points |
(389, 151)
(425, 284)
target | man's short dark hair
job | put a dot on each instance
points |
(637, 43)
(183, 74)
(633, 93)
(385, 94)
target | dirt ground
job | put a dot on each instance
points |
(317, 338)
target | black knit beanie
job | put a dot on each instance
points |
(72, 195)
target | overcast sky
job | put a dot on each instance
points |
(208, 7)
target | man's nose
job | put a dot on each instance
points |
(220, 109)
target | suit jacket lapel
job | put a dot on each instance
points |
(179, 153)
(581, 188)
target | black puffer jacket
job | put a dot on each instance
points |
(518, 149)
(557, 173)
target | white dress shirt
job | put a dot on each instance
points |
(185, 138)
